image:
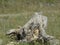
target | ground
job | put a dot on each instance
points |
(10, 19)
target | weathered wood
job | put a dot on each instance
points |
(37, 23)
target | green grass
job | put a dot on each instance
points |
(9, 22)
(21, 11)
(17, 6)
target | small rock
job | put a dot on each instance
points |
(11, 43)
(54, 42)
